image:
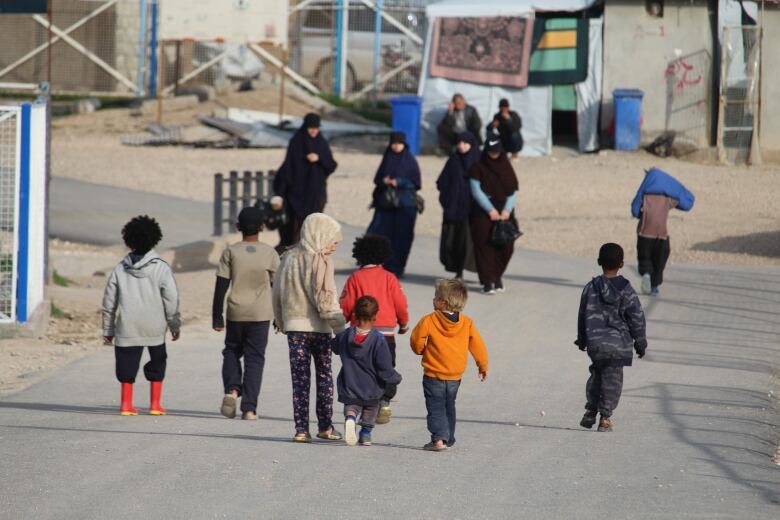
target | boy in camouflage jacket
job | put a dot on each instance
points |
(611, 325)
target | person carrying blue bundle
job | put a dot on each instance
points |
(658, 193)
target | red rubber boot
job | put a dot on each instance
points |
(126, 408)
(155, 393)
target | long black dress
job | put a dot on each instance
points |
(456, 251)
(301, 183)
(397, 224)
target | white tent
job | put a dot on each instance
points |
(533, 103)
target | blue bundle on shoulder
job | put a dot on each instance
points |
(658, 182)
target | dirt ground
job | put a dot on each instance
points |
(568, 204)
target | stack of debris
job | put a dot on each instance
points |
(239, 128)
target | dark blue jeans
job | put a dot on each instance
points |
(513, 142)
(440, 398)
(246, 339)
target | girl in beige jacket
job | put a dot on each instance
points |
(306, 309)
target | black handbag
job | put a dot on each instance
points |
(504, 232)
(419, 203)
(388, 198)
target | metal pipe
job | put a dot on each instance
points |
(177, 69)
(246, 189)
(340, 30)
(233, 196)
(377, 49)
(139, 80)
(155, 6)
(218, 182)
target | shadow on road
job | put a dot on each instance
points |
(713, 443)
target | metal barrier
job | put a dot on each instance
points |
(253, 187)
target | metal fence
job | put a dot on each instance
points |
(9, 170)
(739, 109)
(359, 48)
(242, 191)
(103, 47)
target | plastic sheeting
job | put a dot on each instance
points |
(534, 104)
(589, 92)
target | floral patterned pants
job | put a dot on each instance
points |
(303, 347)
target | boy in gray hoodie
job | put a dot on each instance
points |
(610, 327)
(142, 291)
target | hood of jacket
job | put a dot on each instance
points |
(137, 269)
(445, 326)
(361, 350)
(610, 290)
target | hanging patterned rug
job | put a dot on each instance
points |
(491, 50)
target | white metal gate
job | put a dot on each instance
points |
(10, 143)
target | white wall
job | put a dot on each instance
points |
(236, 21)
(642, 51)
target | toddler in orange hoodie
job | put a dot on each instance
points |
(443, 339)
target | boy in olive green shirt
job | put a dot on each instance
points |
(246, 268)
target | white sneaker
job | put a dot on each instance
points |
(350, 435)
(646, 288)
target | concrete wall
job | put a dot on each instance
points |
(669, 58)
(770, 86)
(236, 21)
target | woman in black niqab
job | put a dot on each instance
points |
(456, 251)
(399, 170)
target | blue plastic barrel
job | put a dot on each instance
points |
(406, 118)
(628, 117)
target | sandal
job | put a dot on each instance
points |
(329, 435)
(228, 408)
(302, 437)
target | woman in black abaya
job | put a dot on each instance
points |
(302, 178)
(456, 252)
(399, 171)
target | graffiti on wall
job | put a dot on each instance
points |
(682, 74)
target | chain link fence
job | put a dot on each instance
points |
(97, 47)
(8, 172)
(384, 44)
(739, 94)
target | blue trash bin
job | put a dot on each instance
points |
(628, 117)
(406, 118)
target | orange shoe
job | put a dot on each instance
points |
(127, 408)
(155, 391)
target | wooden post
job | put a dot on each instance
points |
(161, 83)
(281, 85)
(721, 105)
(177, 69)
(218, 201)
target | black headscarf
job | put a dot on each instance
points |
(300, 182)
(397, 166)
(453, 184)
(496, 177)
